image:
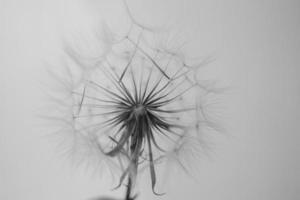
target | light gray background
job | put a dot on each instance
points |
(257, 46)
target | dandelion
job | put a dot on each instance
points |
(141, 105)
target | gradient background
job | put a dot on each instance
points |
(257, 46)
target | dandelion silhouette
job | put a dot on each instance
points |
(138, 104)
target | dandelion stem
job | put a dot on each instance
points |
(129, 184)
(128, 191)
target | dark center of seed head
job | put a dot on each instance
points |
(139, 110)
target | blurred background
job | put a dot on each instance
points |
(257, 49)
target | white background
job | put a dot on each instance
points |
(257, 48)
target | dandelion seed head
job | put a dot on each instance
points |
(139, 106)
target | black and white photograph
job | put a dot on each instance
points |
(149, 99)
